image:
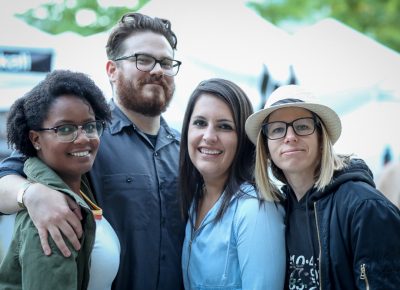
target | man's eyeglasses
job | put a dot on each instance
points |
(69, 132)
(278, 130)
(146, 63)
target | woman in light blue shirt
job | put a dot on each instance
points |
(234, 239)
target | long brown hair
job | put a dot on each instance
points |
(241, 170)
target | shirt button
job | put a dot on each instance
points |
(163, 257)
(155, 154)
(129, 179)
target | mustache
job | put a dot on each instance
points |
(156, 80)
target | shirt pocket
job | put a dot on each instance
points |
(127, 200)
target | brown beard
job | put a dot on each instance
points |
(131, 97)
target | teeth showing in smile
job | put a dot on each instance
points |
(80, 154)
(210, 152)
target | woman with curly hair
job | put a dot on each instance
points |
(57, 126)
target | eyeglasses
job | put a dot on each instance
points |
(278, 130)
(146, 63)
(69, 132)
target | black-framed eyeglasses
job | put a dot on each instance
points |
(146, 63)
(69, 132)
(278, 130)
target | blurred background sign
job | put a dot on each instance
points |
(21, 59)
(20, 69)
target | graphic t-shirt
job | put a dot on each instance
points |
(303, 247)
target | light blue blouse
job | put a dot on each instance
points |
(244, 250)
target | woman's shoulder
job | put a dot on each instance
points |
(250, 204)
(247, 190)
(357, 192)
(361, 201)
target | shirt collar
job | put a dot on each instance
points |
(120, 121)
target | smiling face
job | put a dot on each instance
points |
(293, 154)
(212, 138)
(147, 93)
(68, 160)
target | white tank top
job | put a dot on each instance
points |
(105, 257)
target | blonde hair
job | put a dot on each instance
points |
(267, 188)
(329, 163)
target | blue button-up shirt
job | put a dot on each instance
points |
(135, 184)
(244, 250)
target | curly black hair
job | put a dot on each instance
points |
(29, 112)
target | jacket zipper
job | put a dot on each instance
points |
(320, 249)
(363, 276)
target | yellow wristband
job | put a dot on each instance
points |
(21, 192)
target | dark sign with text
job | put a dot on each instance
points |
(25, 59)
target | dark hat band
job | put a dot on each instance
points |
(286, 101)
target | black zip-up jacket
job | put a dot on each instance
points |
(358, 232)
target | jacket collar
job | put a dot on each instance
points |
(39, 172)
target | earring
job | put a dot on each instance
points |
(37, 147)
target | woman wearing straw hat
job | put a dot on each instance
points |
(341, 232)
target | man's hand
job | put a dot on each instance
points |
(55, 213)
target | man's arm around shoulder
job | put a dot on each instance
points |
(11, 180)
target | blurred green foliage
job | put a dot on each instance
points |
(377, 19)
(56, 17)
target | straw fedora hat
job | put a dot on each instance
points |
(294, 96)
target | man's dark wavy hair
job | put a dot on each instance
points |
(131, 23)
